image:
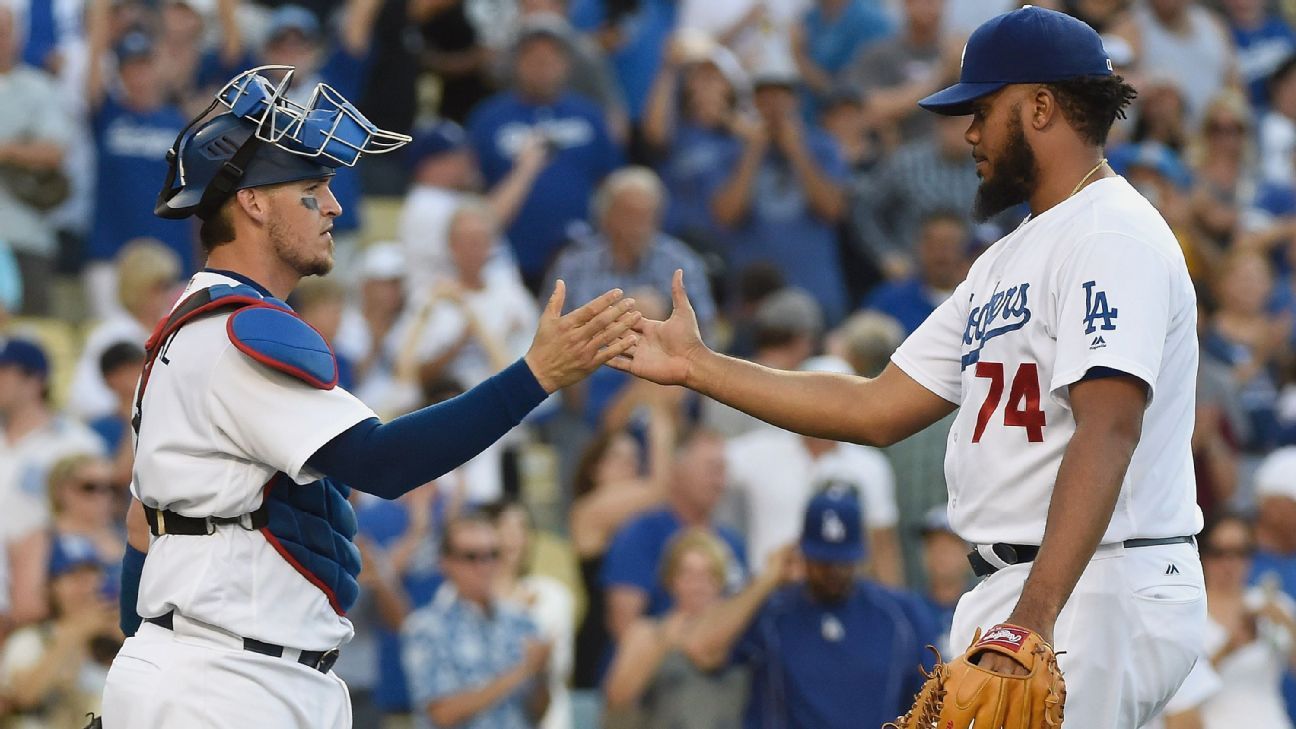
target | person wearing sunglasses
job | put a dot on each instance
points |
(84, 506)
(1251, 634)
(474, 661)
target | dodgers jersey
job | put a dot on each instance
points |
(1095, 281)
(216, 427)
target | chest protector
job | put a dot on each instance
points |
(311, 526)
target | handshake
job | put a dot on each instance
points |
(610, 330)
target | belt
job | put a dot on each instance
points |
(162, 521)
(321, 661)
(1002, 555)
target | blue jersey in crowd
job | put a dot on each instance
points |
(634, 557)
(644, 33)
(584, 155)
(1259, 52)
(905, 301)
(130, 152)
(831, 43)
(835, 666)
(781, 228)
(694, 156)
(1265, 565)
(385, 522)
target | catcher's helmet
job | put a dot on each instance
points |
(264, 139)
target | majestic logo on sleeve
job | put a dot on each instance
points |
(1097, 309)
(1006, 311)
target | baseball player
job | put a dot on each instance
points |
(1071, 353)
(244, 440)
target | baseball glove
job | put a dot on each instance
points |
(959, 693)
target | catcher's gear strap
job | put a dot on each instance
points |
(283, 341)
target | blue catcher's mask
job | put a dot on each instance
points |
(264, 139)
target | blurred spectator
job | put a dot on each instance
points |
(630, 574)
(653, 684)
(453, 49)
(1222, 157)
(1158, 173)
(445, 175)
(472, 660)
(398, 540)
(120, 365)
(1184, 42)
(591, 74)
(34, 130)
(1162, 115)
(320, 303)
(773, 473)
(547, 601)
(367, 324)
(1275, 535)
(779, 195)
(1277, 134)
(633, 35)
(943, 262)
(572, 127)
(1262, 40)
(785, 331)
(846, 117)
(148, 281)
(133, 126)
(629, 251)
(85, 509)
(689, 123)
(1242, 335)
(829, 650)
(54, 672)
(948, 573)
(610, 488)
(470, 324)
(1251, 634)
(830, 35)
(929, 175)
(895, 73)
(34, 437)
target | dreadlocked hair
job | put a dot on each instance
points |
(1093, 103)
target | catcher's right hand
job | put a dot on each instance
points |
(957, 694)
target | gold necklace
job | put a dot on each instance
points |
(1085, 179)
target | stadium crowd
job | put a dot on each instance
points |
(632, 555)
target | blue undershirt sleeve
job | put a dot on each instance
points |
(390, 459)
(132, 568)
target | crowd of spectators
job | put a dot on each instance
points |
(632, 555)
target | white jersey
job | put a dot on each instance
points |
(216, 427)
(1097, 281)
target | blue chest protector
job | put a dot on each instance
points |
(311, 526)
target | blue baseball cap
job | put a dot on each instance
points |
(1028, 45)
(434, 140)
(134, 45)
(833, 530)
(69, 552)
(1153, 156)
(293, 18)
(24, 354)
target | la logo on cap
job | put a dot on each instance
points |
(833, 529)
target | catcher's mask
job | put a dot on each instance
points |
(264, 139)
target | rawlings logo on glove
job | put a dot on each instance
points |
(961, 694)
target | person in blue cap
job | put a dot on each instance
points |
(246, 448)
(828, 649)
(1070, 352)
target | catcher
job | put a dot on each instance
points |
(244, 441)
(1071, 354)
